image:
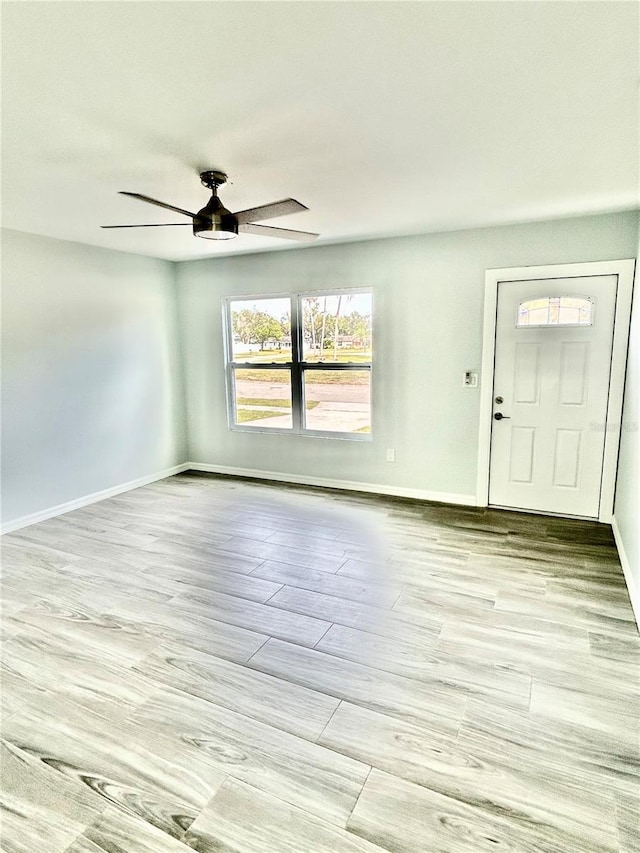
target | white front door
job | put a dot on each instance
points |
(550, 393)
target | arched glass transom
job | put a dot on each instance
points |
(556, 311)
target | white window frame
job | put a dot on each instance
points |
(296, 368)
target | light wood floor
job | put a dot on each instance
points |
(219, 665)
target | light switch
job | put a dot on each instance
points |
(470, 379)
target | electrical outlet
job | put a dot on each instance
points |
(391, 455)
(470, 379)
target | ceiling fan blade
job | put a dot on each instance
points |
(159, 203)
(267, 211)
(155, 225)
(267, 231)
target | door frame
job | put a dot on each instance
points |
(624, 270)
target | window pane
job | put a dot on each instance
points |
(337, 328)
(263, 398)
(261, 330)
(556, 311)
(338, 400)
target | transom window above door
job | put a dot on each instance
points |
(300, 363)
(556, 311)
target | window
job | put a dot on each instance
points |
(556, 311)
(301, 363)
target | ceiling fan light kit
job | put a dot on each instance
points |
(215, 222)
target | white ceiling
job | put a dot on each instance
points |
(382, 117)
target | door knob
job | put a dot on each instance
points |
(500, 417)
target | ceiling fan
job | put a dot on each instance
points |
(215, 222)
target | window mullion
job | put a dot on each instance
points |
(297, 402)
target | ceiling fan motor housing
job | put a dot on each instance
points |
(214, 221)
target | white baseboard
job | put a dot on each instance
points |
(325, 482)
(60, 509)
(347, 485)
(634, 591)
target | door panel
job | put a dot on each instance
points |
(574, 360)
(552, 366)
(521, 454)
(526, 379)
(566, 458)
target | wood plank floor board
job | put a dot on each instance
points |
(509, 644)
(283, 554)
(186, 624)
(500, 782)
(211, 561)
(287, 518)
(421, 661)
(292, 707)
(440, 600)
(321, 544)
(217, 663)
(202, 527)
(607, 758)
(296, 627)
(597, 713)
(356, 614)
(75, 671)
(416, 574)
(189, 547)
(408, 818)
(188, 579)
(628, 819)
(593, 677)
(339, 586)
(436, 705)
(20, 580)
(14, 600)
(115, 831)
(300, 772)
(70, 545)
(597, 616)
(536, 628)
(441, 606)
(138, 770)
(607, 648)
(96, 528)
(240, 818)
(592, 591)
(103, 635)
(83, 595)
(228, 524)
(375, 570)
(535, 787)
(16, 692)
(167, 578)
(17, 556)
(302, 541)
(40, 810)
(533, 567)
(109, 579)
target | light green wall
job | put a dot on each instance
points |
(627, 502)
(428, 293)
(93, 395)
(91, 385)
